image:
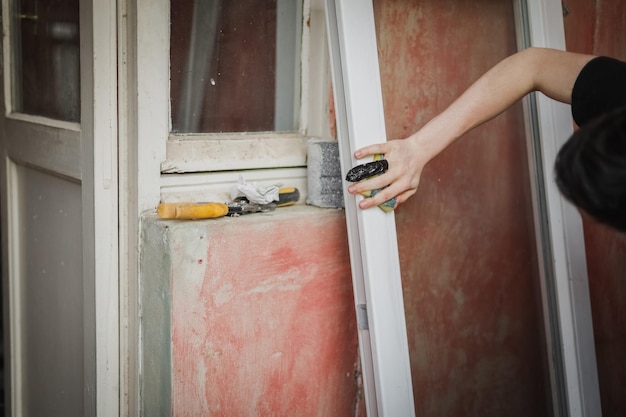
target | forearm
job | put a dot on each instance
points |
(550, 71)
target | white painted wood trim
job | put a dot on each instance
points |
(242, 151)
(53, 148)
(45, 121)
(198, 153)
(315, 72)
(129, 223)
(153, 89)
(99, 149)
(563, 227)
(371, 233)
(61, 154)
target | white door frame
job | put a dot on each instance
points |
(99, 146)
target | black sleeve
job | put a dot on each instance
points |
(599, 89)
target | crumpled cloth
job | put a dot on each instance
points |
(254, 193)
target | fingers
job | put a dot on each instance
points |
(374, 183)
(402, 197)
(401, 178)
(390, 186)
(377, 199)
(381, 183)
(386, 195)
(378, 148)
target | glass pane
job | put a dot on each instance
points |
(466, 239)
(46, 46)
(227, 73)
(50, 303)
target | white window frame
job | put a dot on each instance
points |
(376, 278)
(203, 167)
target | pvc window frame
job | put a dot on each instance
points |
(372, 236)
(372, 239)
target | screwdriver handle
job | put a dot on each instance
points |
(191, 211)
(288, 196)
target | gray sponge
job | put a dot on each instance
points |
(324, 179)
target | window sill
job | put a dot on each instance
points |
(209, 153)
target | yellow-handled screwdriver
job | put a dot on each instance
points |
(192, 211)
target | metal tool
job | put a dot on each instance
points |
(239, 206)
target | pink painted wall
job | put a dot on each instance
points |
(262, 317)
(597, 27)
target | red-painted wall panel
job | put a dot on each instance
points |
(263, 319)
(466, 238)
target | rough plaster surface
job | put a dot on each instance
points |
(156, 319)
(262, 315)
(465, 239)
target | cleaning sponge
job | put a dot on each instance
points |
(325, 188)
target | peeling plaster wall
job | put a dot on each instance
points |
(249, 316)
(156, 268)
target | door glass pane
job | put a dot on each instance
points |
(234, 65)
(50, 300)
(47, 58)
(466, 241)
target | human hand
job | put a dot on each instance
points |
(368, 170)
(405, 165)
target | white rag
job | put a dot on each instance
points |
(254, 193)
